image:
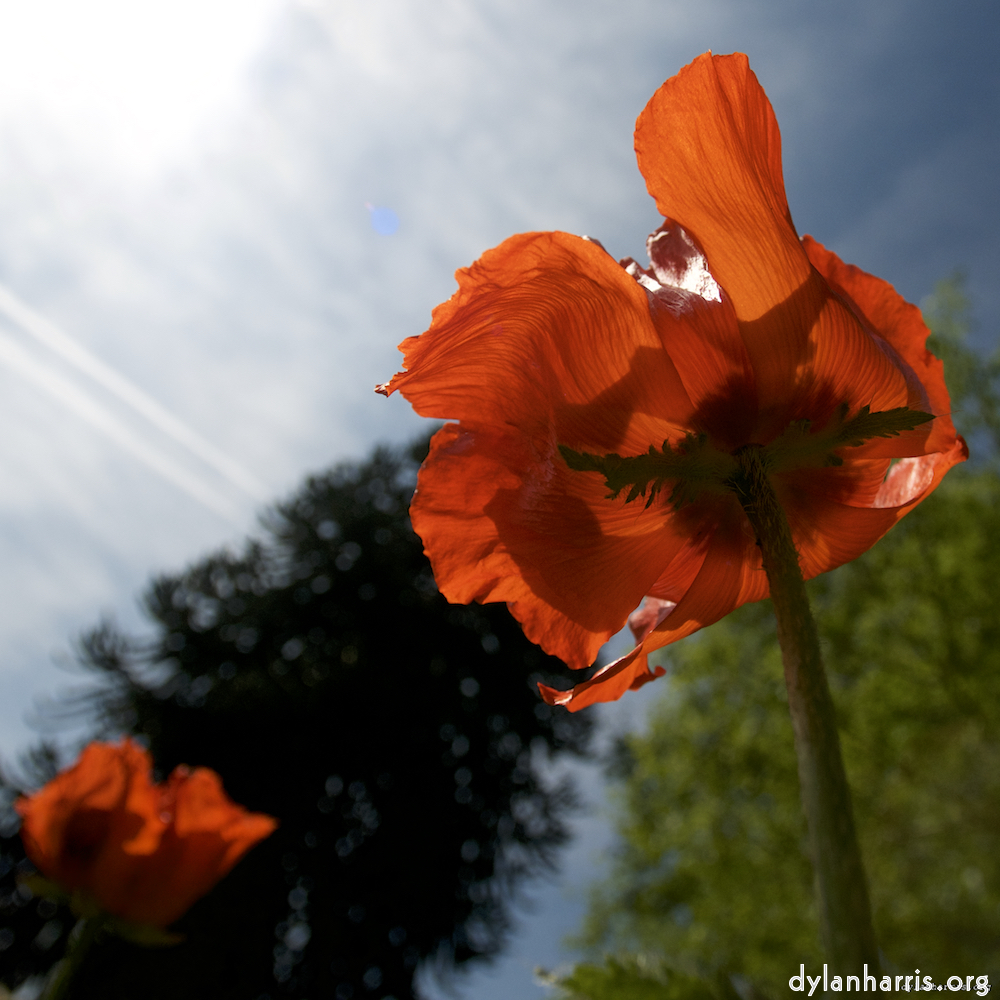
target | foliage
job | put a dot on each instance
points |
(697, 466)
(635, 978)
(396, 737)
(973, 380)
(711, 869)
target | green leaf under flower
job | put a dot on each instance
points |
(801, 447)
(696, 465)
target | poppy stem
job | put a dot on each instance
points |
(81, 937)
(845, 911)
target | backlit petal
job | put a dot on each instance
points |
(703, 340)
(811, 354)
(899, 331)
(547, 330)
(608, 684)
(502, 521)
(575, 360)
(207, 835)
(829, 532)
(730, 575)
(710, 150)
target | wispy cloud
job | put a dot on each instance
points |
(15, 357)
(47, 333)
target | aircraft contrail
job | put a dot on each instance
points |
(70, 350)
(70, 395)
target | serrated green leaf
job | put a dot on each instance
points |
(693, 467)
(800, 447)
(696, 466)
(883, 424)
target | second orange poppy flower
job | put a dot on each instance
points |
(139, 850)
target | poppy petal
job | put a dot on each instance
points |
(811, 355)
(64, 841)
(548, 329)
(502, 522)
(899, 331)
(608, 684)
(700, 334)
(709, 148)
(207, 835)
(730, 575)
(577, 361)
(829, 532)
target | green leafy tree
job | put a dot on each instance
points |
(711, 872)
(973, 380)
(636, 978)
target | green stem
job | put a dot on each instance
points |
(81, 938)
(845, 912)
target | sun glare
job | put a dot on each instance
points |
(125, 81)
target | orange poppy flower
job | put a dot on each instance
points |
(555, 360)
(142, 851)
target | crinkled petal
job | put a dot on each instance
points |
(709, 148)
(730, 575)
(651, 614)
(203, 807)
(898, 330)
(810, 356)
(502, 522)
(548, 333)
(74, 825)
(629, 672)
(549, 342)
(702, 337)
(830, 531)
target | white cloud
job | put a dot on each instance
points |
(141, 403)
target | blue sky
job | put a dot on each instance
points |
(183, 192)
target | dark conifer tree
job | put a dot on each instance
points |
(396, 737)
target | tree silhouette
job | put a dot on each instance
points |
(397, 738)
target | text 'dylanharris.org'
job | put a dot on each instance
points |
(914, 982)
